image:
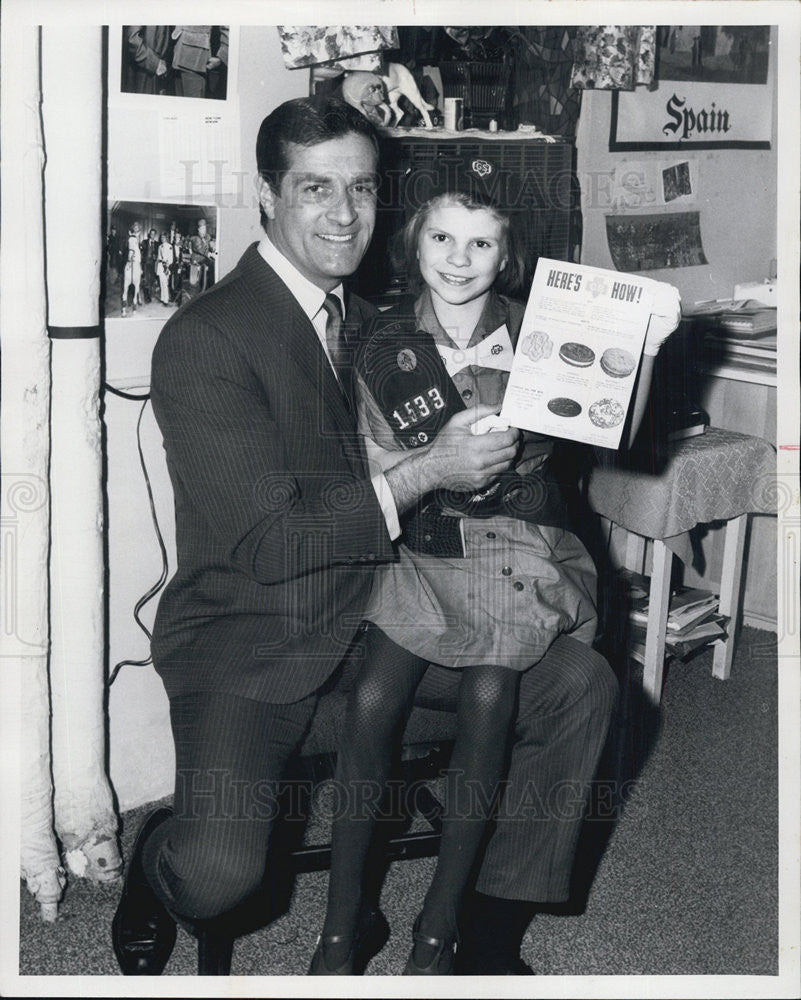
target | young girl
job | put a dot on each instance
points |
(484, 583)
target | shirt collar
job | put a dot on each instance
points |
(310, 298)
(493, 315)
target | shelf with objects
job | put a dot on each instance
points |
(740, 343)
(701, 390)
(738, 338)
(698, 480)
(694, 620)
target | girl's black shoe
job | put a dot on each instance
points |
(442, 962)
(371, 936)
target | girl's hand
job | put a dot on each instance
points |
(664, 318)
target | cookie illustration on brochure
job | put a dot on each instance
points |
(618, 363)
(562, 406)
(578, 355)
(536, 345)
(607, 413)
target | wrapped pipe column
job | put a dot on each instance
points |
(24, 446)
(72, 118)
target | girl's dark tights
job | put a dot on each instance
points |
(378, 707)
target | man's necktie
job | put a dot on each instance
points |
(335, 342)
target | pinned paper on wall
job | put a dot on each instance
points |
(638, 184)
(158, 255)
(199, 154)
(648, 242)
(678, 184)
(634, 185)
(715, 91)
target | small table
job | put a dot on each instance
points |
(716, 476)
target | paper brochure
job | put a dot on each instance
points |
(578, 352)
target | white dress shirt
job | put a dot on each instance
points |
(310, 298)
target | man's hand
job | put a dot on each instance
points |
(456, 460)
(213, 63)
(461, 460)
(161, 69)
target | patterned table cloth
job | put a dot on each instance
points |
(714, 476)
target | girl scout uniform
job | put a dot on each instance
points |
(490, 577)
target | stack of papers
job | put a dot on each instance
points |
(745, 317)
(687, 607)
(681, 644)
(693, 621)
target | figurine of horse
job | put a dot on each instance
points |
(400, 82)
(365, 92)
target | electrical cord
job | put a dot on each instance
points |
(122, 394)
(151, 593)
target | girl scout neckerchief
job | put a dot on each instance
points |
(408, 379)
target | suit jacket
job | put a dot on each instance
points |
(146, 45)
(193, 46)
(277, 524)
(149, 250)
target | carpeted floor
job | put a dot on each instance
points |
(682, 880)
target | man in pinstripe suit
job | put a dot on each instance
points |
(278, 524)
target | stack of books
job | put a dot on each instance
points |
(745, 354)
(693, 621)
(739, 334)
(749, 321)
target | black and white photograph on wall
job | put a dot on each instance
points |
(676, 181)
(729, 53)
(157, 256)
(175, 60)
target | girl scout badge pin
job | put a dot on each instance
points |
(407, 360)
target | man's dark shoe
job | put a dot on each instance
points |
(492, 930)
(495, 965)
(142, 931)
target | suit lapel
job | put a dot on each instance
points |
(298, 339)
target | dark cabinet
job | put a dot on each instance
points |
(535, 183)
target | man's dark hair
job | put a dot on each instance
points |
(305, 121)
